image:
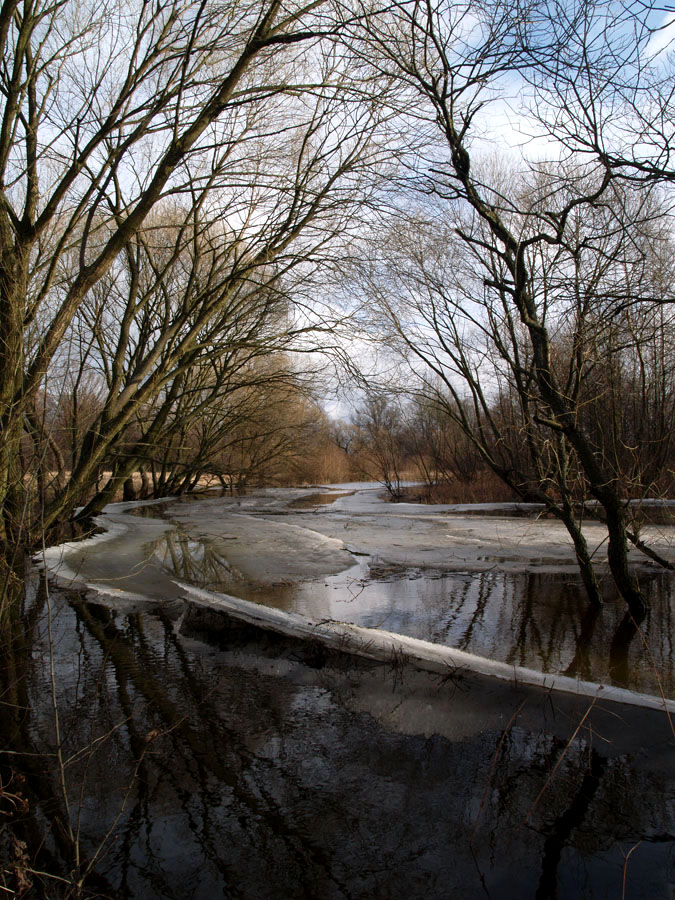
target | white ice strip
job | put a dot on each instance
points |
(55, 559)
(114, 557)
(396, 648)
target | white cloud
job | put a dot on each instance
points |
(663, 36)
(509, 122)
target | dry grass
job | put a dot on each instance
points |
(485, 488)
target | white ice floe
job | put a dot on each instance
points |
(398, 649)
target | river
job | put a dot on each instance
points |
(204, 757)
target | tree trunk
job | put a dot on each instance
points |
(13, 279)
(129, 492)
(583, 557)
(146, 485)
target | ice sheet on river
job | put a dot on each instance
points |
(404, 534)
(262, 539)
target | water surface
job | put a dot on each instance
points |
(185, 755)
(204, 760)
(541, 621)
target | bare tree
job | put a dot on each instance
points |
(110, 120)
(601, 76)
(252, 430)
(546, 252)
(470, 363)
(444, 451)
(383, 441)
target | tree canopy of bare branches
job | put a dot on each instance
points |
(515, 292)
(170, 177)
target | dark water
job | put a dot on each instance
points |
(201, 760)
(541, 621)
(175, 753)
(318, 499)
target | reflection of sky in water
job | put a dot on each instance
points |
(536, 620)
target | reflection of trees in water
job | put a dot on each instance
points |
(581, 664)
(625, 634)
(534, 620)
(565, 824)
(527, 619)
(198, 760)
(509, 620)
(545, 622)
(485, 586)
(264, 786)
(581, 804)
(198, 562)
(650, 636)
(37, 830)
(556, 811)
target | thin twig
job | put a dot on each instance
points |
(495, 757)
(559, 762)
(625, 869)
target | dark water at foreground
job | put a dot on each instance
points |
(204, 760)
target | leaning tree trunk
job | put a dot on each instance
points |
(563, 419)
(13, 278)
(598, 480)
(563, 512)
(581, 551)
